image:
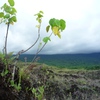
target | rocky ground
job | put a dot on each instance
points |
(58, 84)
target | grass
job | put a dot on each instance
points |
(60, 83)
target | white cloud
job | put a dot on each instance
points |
(82, 34)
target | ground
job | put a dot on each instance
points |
(58, 84)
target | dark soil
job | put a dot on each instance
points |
(59, 84)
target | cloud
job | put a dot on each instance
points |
(82, 34)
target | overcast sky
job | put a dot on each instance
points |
(82, 33)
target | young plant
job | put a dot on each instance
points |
(38, 93)
(8, 16)
(57, 26)
(5, 70)
(16, 86)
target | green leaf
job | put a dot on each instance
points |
(51, 22)
(62, 24)
(12, 82)
(57, 22)
(41, 12)
(1, 14)
(33, 90)
(7, 8)
(4, 6)
(54, 22)
(13, 19)
(13, 11)
(11, 2)
(40, 97)
(39, 20)
(41, 89)
(47, 28)
(7, 16)
(4, 73)
(46, 39)
(40, 15)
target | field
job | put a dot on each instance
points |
(71, 77)
(61, 77)
(67, 84)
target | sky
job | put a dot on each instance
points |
(82, 33)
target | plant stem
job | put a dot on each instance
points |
(35, 41)
(39, 50)
(6, 44)
(16, 60)
(23, 51)
(32, 44)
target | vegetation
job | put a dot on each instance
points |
(69, 61)
(37, 81)
(11, 75)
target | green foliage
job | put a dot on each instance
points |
(11, 2)
(9, 12)
(39, 16)
(38, 93)
(62, 24)
(2, 57)
(15, 85)
(23, 73)
(57, 26)
(8, 16)
(1, 14)
(4, 72)
(54, 22)
(9, 57)
(46, 39)
(12, 19)
(47, 28)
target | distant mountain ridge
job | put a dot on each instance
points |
(63, 60)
